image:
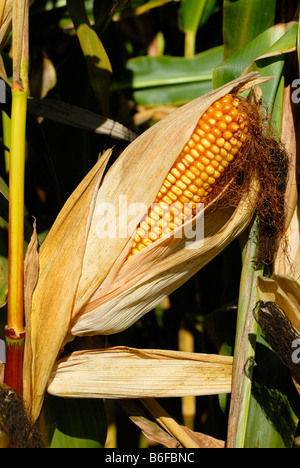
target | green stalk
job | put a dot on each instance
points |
(15, 334)
(245, 342)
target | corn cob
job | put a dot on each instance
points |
(215, 142)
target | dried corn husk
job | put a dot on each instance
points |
(85, 284)
(123, 372)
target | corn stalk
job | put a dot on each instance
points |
(15, 333)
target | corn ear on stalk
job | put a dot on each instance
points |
(214, 144)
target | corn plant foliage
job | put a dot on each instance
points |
(74, 423)
(170, 80)
(244, 20)
(261, 47)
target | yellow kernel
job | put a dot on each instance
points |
(140, 232)
(172, 196)
(180, 166)
(194, 153)
(204, 126)
(154, 216)
(190, 175)
(216, 132)
(186, 180)
(193, 188)
(209, 154)
(200, 132)
(176, 190)
(188, 194)
(194, 170)
(180, 185)
(196, 137)
(188, 160)
(175, 173)
(198, 182)
(227, 135)
(227, 146)
(214, 163)
(209, 170)
(158, 210)
(167, 202)
(233, 127)
(147, 242)
(204, 160)
(222, 126)
(144, 226)
(191, 143)
(220, 142)
(215, 149)
(199, 166)
(200, 148)
(171, 178)
(212, 122)
(153, 236)
(184, 199)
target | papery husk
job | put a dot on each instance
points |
(85, 284)
(60, 260)
(123, 372)
(287, 261)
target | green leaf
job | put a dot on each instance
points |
(74, 423)
(244, 20)
(170, 80)
(190, 14)
(274, 403)
(274, 41)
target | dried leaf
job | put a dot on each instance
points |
(60, 262)
(131, 373)
(31, 271)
